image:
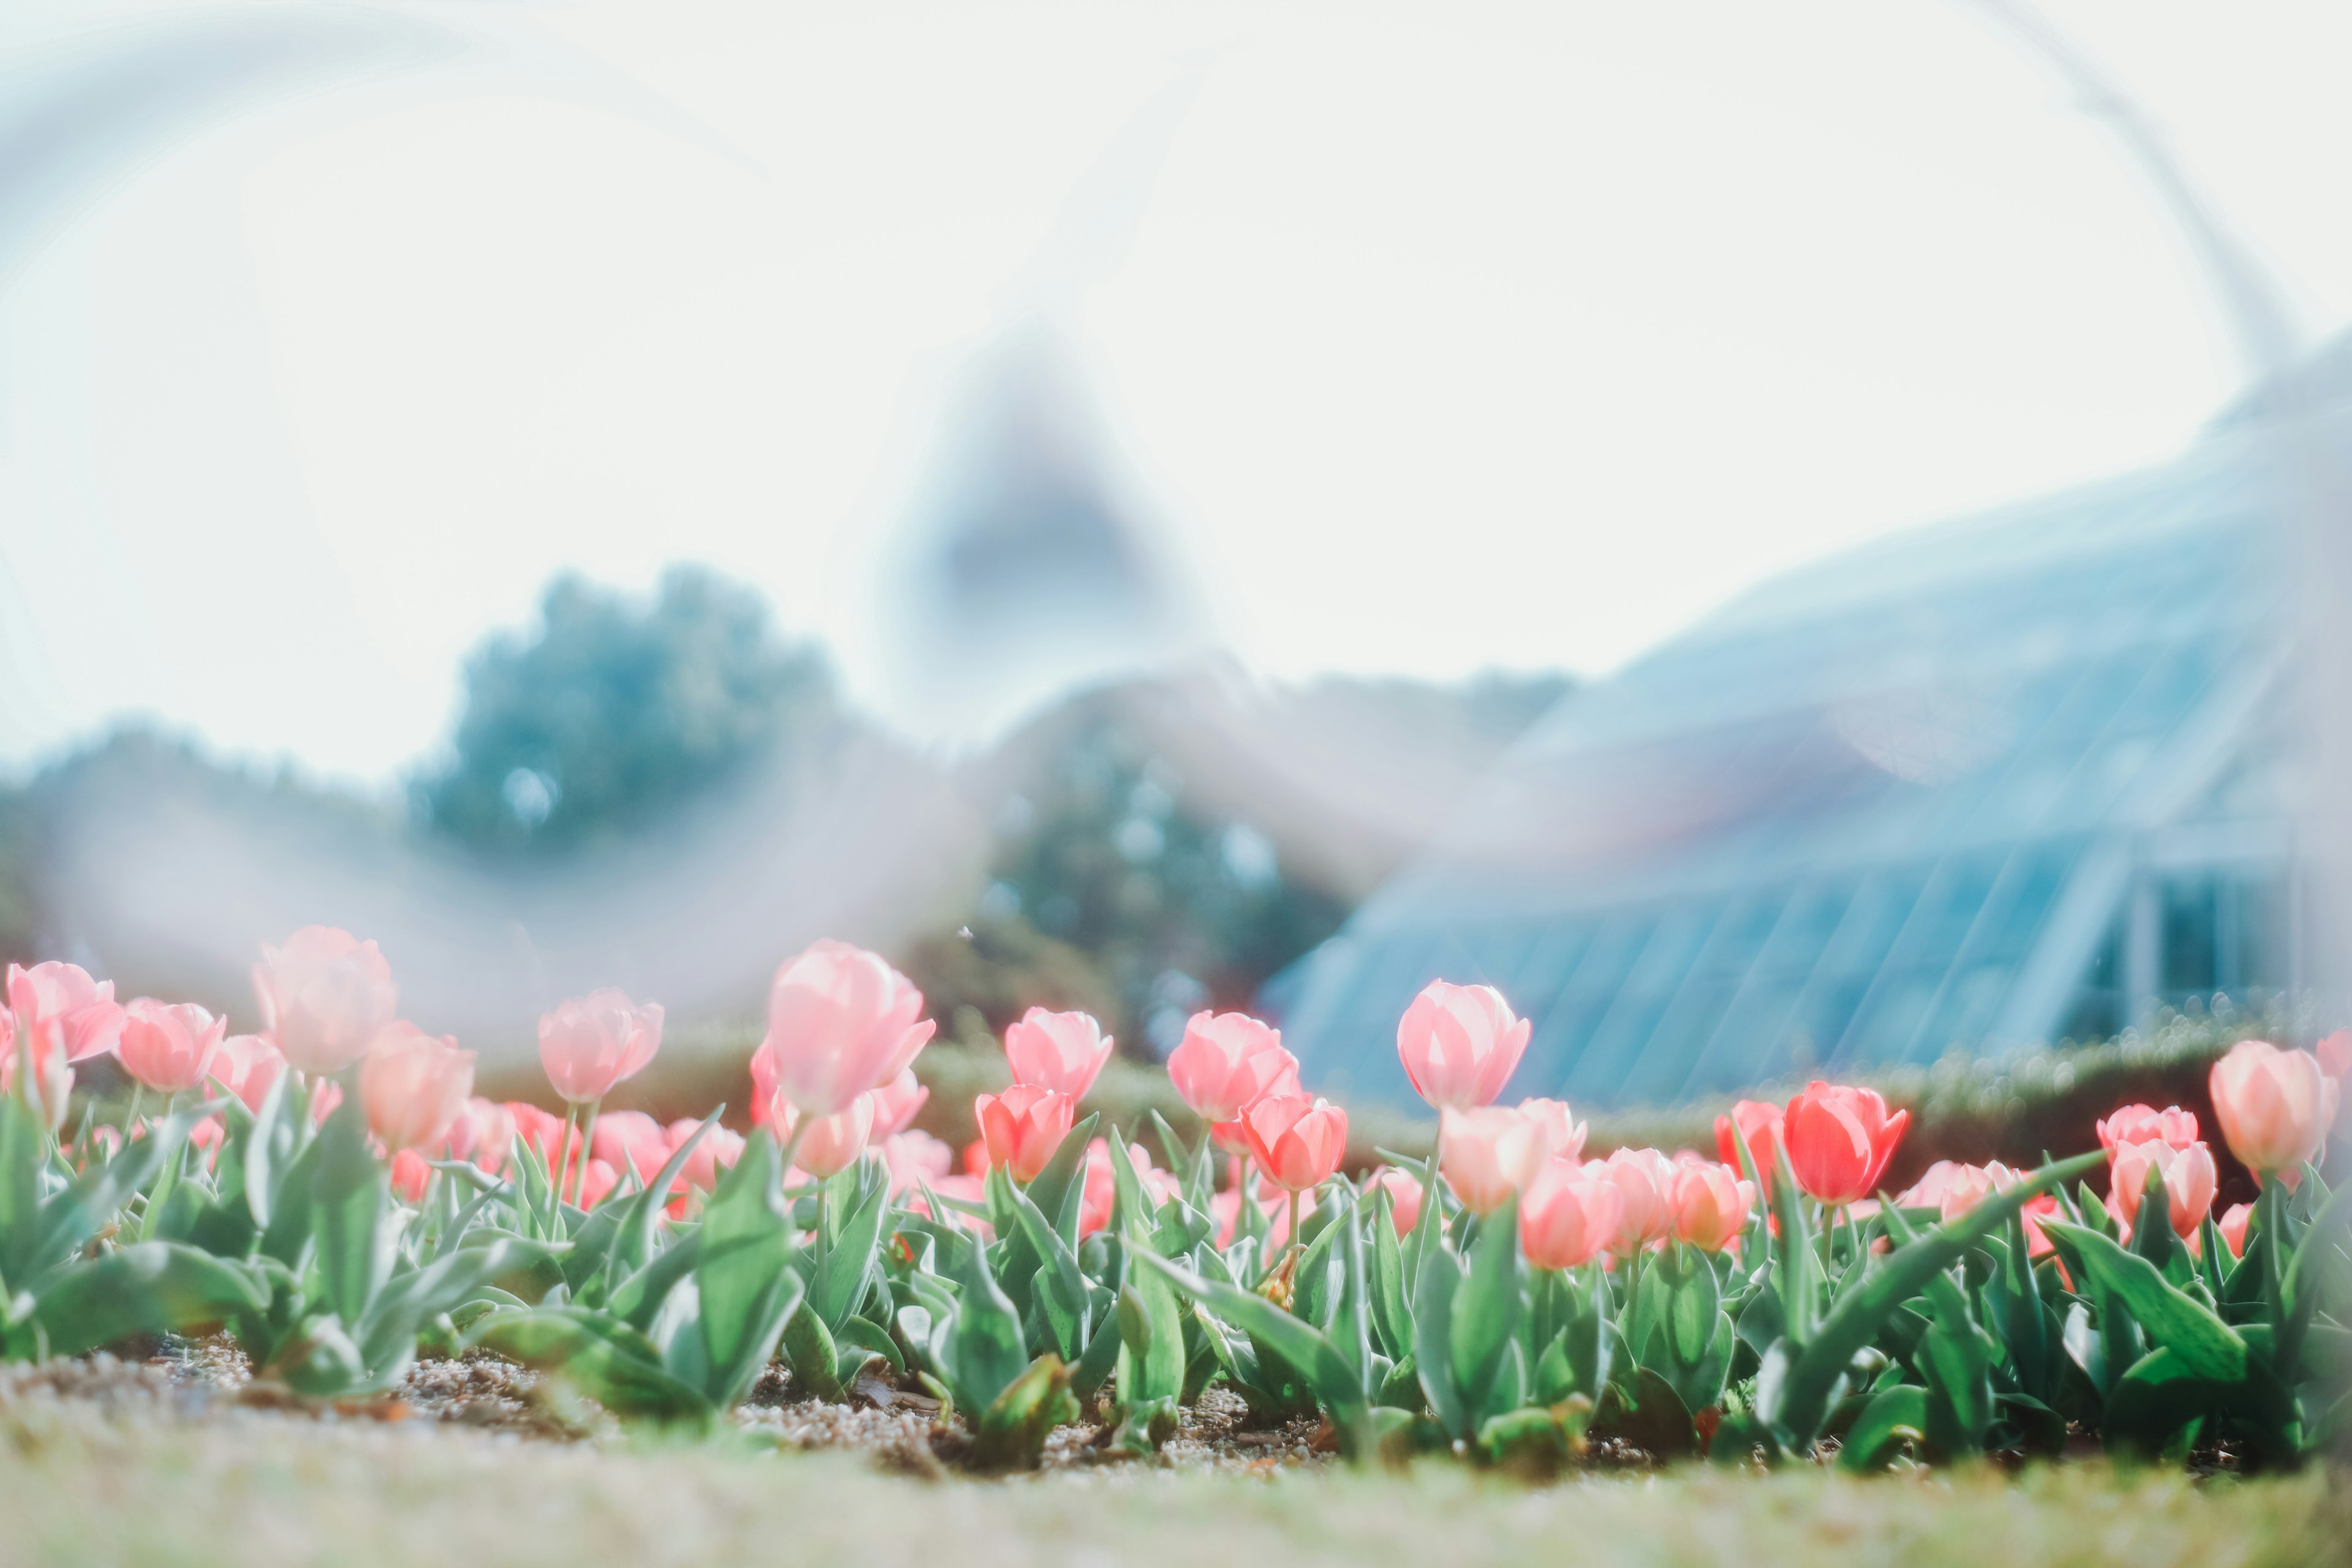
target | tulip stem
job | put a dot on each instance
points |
(1290, 1264)
(137, 1092)
(791, 1149)
(562, 1174)
(587, 1143)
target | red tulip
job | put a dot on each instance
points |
(1460, 1045)
(1296, 1141)
(1060, 1051)
(1839, 1141)
(61, 1000)
(169, 1048)
(2276, 1106)
(1710, 1205)
(591, 1043)
(2189, 1178)
(1225, 1061)
(324, 997)
(2139, 1123)
(1756, 1122)
(1568, 1214)
(413, 1085)
(1022, 1127)
(840, 1021)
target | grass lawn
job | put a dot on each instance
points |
(77, 1487)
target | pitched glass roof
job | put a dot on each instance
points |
(1872, 809)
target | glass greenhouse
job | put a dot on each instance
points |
(2001, 781)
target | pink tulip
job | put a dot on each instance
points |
(1225, 1061)
(2334, 1054)
(591, 1043)
(915, 1158)
(1295, 1140)
(324, 996)
(1099, 1199)
(2189, 1178)
(2139, 1123)
(1709, 1204)
(325, 1095)
(833, 1142)
(246, 1065)
(410, 1175)
(2276, 1106)
(1061, 1051)
(1927, 1192)
(1229, 1137)
(976, 1162)
(169, 1048)
(895, 1103)
(1489, 1153)
(1755, 1124)
(1460, 1045)
(719, 1151)
(1562, 1133)
(1403, 1189)
(630, 1140)
(1225, 1209)
(2233, 1226)
(596, 1184)
(539, 1129)
(1839, 1141)
(483, 1132)
(841, 1022)
(413, 1085)
(61, 1000)
(1568, 1214)
(1022, 1127)
(1646, 1178)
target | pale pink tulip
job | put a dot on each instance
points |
(1927, 1192)
(410, 1175)
(483, 1132)
(895, 1103)
(1646, 1178)
(169, 1048)
(53, 1080)
(1755, 1124)
(1022, 1127)
(2276, 1106)
(1295, 1140)
(413, 1085)
(1489, 1153)
(247, 1065)
(1568, 1214)
(1709, 1204)
(1562, 1133)
(719, 1151)
(2139, 1123)
(833, 1142)
(324, 997)
(1460, 1045)
(915, 1158)
(1226, 1061)
(61, 1000)
(1225, 1209)
(591, 1043)
(627, 1140)
(2189, 1178)
(841, 1022)
(1403, 1189)
(2233, 1226)
(1060, 1051)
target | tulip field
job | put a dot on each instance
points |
(328, 1203)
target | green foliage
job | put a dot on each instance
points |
(610, 714)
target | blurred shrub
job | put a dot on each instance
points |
(611, 713)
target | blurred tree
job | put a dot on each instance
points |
(613, 712)
(20, 919)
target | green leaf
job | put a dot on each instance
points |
(1334, 1381)
(148, 1287)
(2205, 1346)
(1390, 1317)
(636, 1300)
(348, 1196)
(990, 1352)
(610, 1362)
(845, 1269)
(1058, 1188)
(808, 1346)
(1433, 1337)
(68, 1220)
(1011, 1432)
(24, 1145)
(1486, 1309)
(743, 1276)
(1894, 1414)
(1060, 1286)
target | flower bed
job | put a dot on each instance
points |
(331, 1197)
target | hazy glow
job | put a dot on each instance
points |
(1452, 335)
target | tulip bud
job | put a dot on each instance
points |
(413, 1085)
(1460, 1044)
(591, 1043)
(1296, 1141)
(2276, 1106)
(169, 1048)
(1568, 1214)
(840, 1021)
(324, 997)
(1839, 1141)
(1022, 1127)
(1060, 1051)
(1710, 1205)
(1225, 1061)
(62, 1000)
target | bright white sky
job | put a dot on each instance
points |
(1453, 335)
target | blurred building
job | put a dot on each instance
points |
(2002, 780)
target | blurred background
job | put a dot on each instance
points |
(1792, 539)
